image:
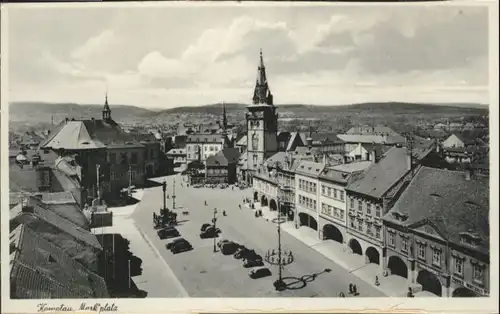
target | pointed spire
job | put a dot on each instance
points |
(262, 94)
(224, 117)
(106, 111)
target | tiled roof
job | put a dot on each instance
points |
(379, 149)
(372, 139)
(309, 168)
(205, 138)
(40, 269)
(381, 176)
(242, 141)
(90, 134)
(344, 173)
(224, 157)
(449, 201)
(40, 211)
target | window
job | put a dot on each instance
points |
(368, 208)
(341, 195)
(351, 203)
(377, 211)
(377, 232)
(112, 175)
(255, 158)
(392, 240)
(360, 226)
(369, 230)
(314, 205)
(133, 175)
(421, 250)
(458, 266)
(314, 187)
(353, 223)
(341, 213)
(112, 158)
(134, 158)
(404, 244)
(360, 206)
(477, 273)
(323, 190)
(436, 257)
(335, 193)
(330, 192)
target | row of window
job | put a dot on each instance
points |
(332, 192)
(371, 229)
(123, 157)
(332, 211)
(369, 207)
(458, 263)
(307, 186)
(207, 148)
(217, 171)
(307, 202)
(264, 186)
(132, 175)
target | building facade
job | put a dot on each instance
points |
(200, 146)
(437, 234)
(307, 194)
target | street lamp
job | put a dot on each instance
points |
(280, 257)
(164, 189)
(214, 220)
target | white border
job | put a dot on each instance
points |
(284, 305)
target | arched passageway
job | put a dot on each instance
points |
(372, 255)
(272, 205)
(308, 220)
(463, 292)
(263, 201)
(397, 266)
(355, 247)
(255, 196)
(429, 282)
(330, 232)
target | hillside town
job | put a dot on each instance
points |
(366, 212)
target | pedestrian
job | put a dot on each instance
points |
(410, 293)
(377, 283)
(239, 205)
(342, 295)
(354, 290)
(351, 290)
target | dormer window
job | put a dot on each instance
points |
(470, 239)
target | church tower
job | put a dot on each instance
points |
(224, 117)
(106, 111)
(262, 122)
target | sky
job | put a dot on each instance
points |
(164, 57)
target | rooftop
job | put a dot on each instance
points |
(449, 201)
(309, 168)
(40, 269)
(206, 138)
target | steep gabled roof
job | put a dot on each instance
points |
(447, 199)
(40, 269)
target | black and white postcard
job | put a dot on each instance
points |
(229, 157)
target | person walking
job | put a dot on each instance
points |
(351, 289)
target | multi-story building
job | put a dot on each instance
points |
(200, 146)
(333, 199)
(262, 126)
(221, 167)
(307, 193)
(109, 158)
(369, 197)
(178, 156)
(437, 234)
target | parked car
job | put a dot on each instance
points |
(169, 245)
(210, 232)
(228, 248)
(247, 254)
(259, 273)
(241, 252)
(221, 242)
(181, 246)
(253, 263)
(168, 232)
(204, 227)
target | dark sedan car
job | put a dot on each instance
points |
(169, 245)
(181, 246)
(255, 262)
(259, 273)
(168, 232)
(204, 227)
(210, 232)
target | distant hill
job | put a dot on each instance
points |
(39, 112)
(44, 112)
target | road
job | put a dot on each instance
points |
(203, 273)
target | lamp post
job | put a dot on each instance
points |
(164, 188)
(281, 257)
(214, 220)
(173, 196)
